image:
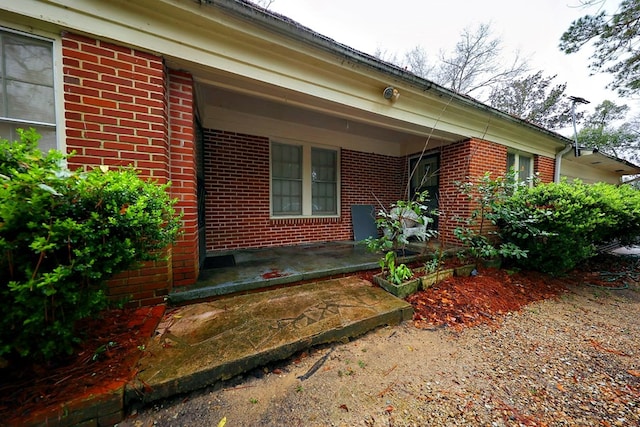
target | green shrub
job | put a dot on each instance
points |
(62, 234)
(478, 233)
(561, 224)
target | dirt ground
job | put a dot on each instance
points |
(571, 358)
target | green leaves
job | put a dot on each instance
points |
(561, 224)
(62, 234)
(615, 39)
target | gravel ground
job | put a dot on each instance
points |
(570, 361)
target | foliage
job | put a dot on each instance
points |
(62, 234)
(394, 221)
(534, 99)
(393, 224)
(600, 131)
(560, 224)
(615, 39)
(488, 195)
(395, 273)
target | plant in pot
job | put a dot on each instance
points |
(405, 219)
(434, 272)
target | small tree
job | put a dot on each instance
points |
(62, 234)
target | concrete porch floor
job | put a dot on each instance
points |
(264, 268)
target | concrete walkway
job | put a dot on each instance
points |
(200, 344)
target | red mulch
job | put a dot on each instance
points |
(468, 301)
(33, 391)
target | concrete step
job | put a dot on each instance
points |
(200, 344)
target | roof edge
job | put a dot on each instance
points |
(292, 29)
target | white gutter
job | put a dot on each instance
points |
(565, 150)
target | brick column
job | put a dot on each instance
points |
(183, 175)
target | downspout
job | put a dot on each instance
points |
(565, 150)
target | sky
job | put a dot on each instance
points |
(532, 27)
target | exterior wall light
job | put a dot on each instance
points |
(391, 93)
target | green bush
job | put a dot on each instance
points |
(62, 234)
(561, 224)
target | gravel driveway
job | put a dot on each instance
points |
(569, 361)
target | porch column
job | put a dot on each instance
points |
(183, 175)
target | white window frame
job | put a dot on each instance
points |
(58, 80)
(307, 183)
(516, 166)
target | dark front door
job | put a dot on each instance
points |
(425, 176)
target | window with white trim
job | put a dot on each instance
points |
(520, 163)
(27, 98)
(304, 180)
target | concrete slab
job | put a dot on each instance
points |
(200, 344)
(266, 267)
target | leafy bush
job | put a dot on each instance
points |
(478, 232)
(62, 234)
(560, 224)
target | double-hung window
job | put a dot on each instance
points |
(520, 163)
(27, 87)
(304, 180)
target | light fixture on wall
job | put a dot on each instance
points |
(391, 93)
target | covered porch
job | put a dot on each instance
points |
(246, 270)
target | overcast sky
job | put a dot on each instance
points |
(533, 27)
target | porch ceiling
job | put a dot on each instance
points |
(251, 98)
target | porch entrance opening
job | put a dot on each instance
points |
(426, 177)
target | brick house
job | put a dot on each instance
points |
(268, 131)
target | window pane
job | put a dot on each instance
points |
(27, 87)
(286, 161)
(323, 176)
(47, 135)
(27, 101)
(524, 170)
(286, 179)
(511, 161)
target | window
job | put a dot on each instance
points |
(304, 180)
(520, 163)
(26, 87)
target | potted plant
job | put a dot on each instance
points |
(405, 219)
(434, 272)
(397, 279)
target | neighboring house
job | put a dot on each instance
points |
(268, 131)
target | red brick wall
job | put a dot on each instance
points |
(460, 162)
(183, 176)
(114, 100)
(545, 166)
(237, 189)
(121, 109)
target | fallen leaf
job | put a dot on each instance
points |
(222, 422)
(277, 371)
(633, 372)
(560, 387)
(389, 409)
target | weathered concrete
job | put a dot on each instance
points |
(266, 267)
(200, 344)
